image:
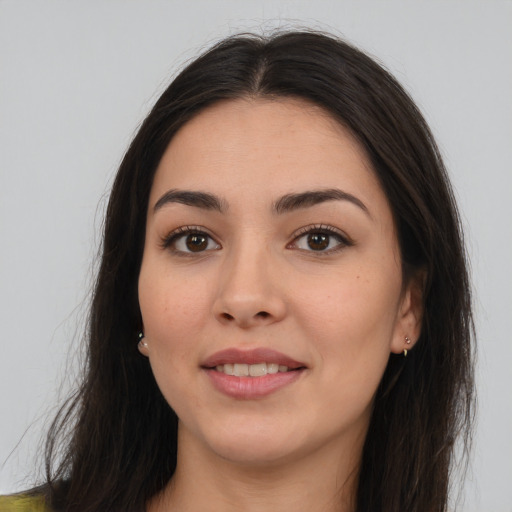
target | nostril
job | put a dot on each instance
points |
(245, 318)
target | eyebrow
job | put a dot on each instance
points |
(202, 200)
(291, 202)
(285, 204)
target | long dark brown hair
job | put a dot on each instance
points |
(113, 445)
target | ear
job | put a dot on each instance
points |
(142, 345)
(410, 314)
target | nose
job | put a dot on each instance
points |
(249, 292)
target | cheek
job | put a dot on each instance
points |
(352, 313)
(172, 312)
(172, 307)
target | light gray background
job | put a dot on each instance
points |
(77, 77)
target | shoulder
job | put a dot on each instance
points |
(20, 503)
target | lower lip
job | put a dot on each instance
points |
(248, 388)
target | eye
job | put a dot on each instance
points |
(323, 239)
(189, 240)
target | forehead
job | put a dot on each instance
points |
(266, 147)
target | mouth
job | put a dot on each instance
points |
(253, 370)
(251, 374)
(259, 359)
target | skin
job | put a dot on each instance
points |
(340, 311)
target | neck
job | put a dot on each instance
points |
(324, 480)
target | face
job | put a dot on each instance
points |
(271, 251)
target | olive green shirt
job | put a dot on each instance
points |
(22, 504)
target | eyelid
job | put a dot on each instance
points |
(344, 239)
(168, 240)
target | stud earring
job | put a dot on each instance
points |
(408, 341)
(142, 343)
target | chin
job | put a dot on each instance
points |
(254, 452)
(256, 444)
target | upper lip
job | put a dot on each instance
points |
(251, 356)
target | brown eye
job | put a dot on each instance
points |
(196, 242)
(318, 241)
(188, 242)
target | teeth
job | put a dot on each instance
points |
(272, 368)
(252, 370)
(258, 370)
(240, 370)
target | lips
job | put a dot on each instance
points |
(250, 357)
(251, 374)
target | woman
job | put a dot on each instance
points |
(282, 317)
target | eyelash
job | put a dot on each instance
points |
(343, 241)
(322, 229)
(174, 236)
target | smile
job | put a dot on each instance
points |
(251, 374)
(263, 359)
(251, 370)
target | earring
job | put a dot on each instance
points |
(142, 343)
(408, 341)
